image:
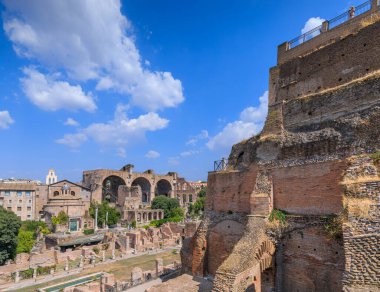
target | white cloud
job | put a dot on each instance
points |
(312, 23)
(50, 94)
(251, 122)
(152, 154)
(194, 139)
(189, 153)
(71, 122)
(73, 140)
(118, 132)
(173, 160)
(89, 40)
(5, 120)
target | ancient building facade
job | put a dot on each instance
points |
(297, 207)
(186, 194)
(71, 198)
(112, 185)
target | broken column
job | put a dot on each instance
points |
(17, 277)
(159, 266)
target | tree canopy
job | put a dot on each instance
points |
(103, 208)
(169, 205)
(9, 226)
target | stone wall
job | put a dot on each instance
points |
(362, 229)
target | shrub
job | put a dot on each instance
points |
(376, 156)
(133, 224)
(45, 270)
(278, 216)
(106, 246)
(61, 218)
(96, 250)
(333, 227)
(88, 231)
(27, 274)
(25, 241)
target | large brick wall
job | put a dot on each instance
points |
(312, 189)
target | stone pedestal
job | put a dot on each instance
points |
(17, 277)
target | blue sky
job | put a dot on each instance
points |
(165, 85)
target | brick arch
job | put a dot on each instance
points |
(145, 186)
(265, 254)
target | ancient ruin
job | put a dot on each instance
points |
(296, 208)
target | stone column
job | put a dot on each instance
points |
(81, 264)
(51, 271)
(17, 277)
(67, 264)
(159, 266)
(103, 255)
(112, 246)
(127, 244)
(35, 274)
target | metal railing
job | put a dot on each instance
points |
(352, 13)
(305, 37)
(220, 165)
(359, 10)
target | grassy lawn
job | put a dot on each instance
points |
(121, 269)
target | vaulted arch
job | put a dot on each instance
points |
(145, 186)
(163, 188)
(110, 188)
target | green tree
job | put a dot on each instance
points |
(103, 208)
(25, 241)
(196, 208)
(9, 226)
(169, 205)
(202, 192)
(35, 227)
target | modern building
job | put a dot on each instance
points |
(19, 196)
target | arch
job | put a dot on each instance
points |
(191, 198)
(184, 198)
(72, 193)
(56, 193)
(149, 216)
(145, 186)
(111, 186)
(163, 188)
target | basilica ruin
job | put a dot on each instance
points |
(296, 208)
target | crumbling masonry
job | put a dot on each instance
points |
(313, 162)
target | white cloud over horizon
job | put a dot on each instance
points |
(84, 41)
(119, 132)
(250, 123)
(5, 120)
